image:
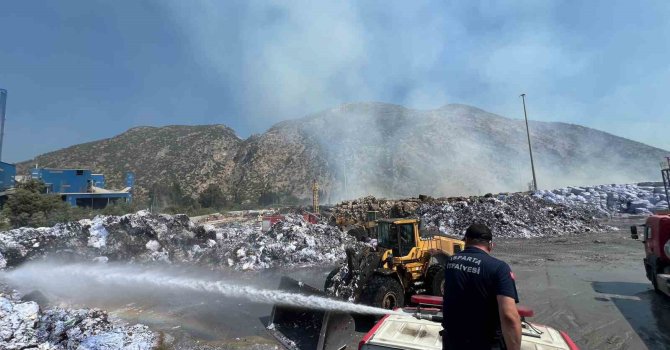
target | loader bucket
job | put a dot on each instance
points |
(298, 328)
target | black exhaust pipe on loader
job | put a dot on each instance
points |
(299, 328)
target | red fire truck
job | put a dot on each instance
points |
(656, 239)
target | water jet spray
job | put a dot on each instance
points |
(45, 275)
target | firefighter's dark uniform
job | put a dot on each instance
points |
(473, 279)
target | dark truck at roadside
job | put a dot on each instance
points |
(656, 239)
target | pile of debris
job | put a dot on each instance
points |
(292, 241)
(356, 210)
(23, 325)
(544, 213)
(135, 237)
(146, 237)
(516, 215)
(509, 216)
(642, 198)
(602, 201)
(345, 282)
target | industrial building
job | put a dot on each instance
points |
(78, 187)
(7, 175)
(82, 188)
(3, 105)
(7, 171)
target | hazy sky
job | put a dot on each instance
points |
(83, 70)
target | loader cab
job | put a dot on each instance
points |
(397, 235)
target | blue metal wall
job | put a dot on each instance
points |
(130, 179)
(73, 185)
(98, 180)
(7, 174)
(63, 180)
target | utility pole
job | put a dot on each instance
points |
(315, 197)
(344, 172)
(530, 149)
(665, 173)
(3, 103)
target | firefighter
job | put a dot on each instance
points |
(480, 297)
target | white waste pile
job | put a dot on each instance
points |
(509, 216)
(146, 237)
(23, 325)
(644, 198)
(292, 241)
(125, 238)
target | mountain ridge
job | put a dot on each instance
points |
(364, 148)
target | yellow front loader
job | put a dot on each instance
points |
(405, 261)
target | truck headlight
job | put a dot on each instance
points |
(667, 249)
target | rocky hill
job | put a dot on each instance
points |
(368, 148)
(393, 151)
(195, 156)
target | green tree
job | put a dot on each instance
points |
(27, 206)
(171, 198)
(32, 185)
(268, 198)
(119, 209)
(176, 194)
(212, 197)
(21, 207)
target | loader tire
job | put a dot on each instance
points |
(654, 281)
(651, 275)
(435, 280)
(384, 292)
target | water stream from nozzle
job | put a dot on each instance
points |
(42, 275)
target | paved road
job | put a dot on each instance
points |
(594, 287)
